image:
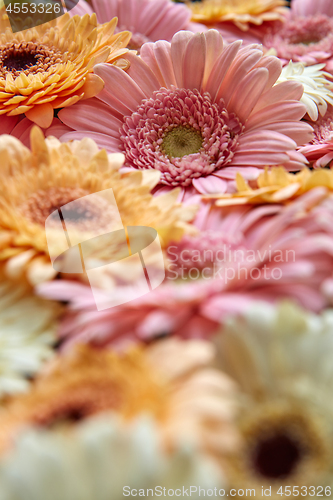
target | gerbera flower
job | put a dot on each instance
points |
(196, 111)
(319, 151)
(307, 8)
(240, 12)
(51, 66)
(147, 20)
(276, 186)
(281, 360)
(170, 381)
(306, 35)
(35, 183)
(108, 459)
(242, 254)
(317, 92)
(27, 333)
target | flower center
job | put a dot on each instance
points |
(43, 203)
(302, 36)
(182, 133)
(323, 128)
(27, 57)
(277, 456)
(282, 442)
(181, 141)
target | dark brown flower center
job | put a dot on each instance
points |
(277, 456)
(27, 57)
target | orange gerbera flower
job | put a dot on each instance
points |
(51, 66)
(239, 12)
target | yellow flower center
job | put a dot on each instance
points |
(181, 141)
(27, 57)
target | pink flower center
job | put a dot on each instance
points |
(182, 133)
(323, 129)
(303, 36)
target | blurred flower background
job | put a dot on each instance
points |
(166, 250)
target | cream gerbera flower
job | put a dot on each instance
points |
(276, 186)
(51, 66)
(171, 381)
(240, 12)
(35, 183)
(27, 333)
(317, 87)
(102, 460)
(282, 360)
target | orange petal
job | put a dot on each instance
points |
(93, 86)
(41, 114)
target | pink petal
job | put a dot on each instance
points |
(84, 118)
(147, 54)
(242, 64)
(178, 49)
(120, 85)
(221, 68)
(103, 141)
(266, 141)
(142, 75)
(105, 9)
(214, 47)
(274, 66)
(247, 93)
(210, 185)
(284, 111)
(175, 19)
(249, 173)
(285, 91)
(162, 52)
(194, 62)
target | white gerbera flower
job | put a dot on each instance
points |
(317, 88)
(282, 359)
(27, 332)
(100, 460)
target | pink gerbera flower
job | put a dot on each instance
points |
(196, 111)
(305, 36)
(147, 20)
(242, 254)
(319, 151)
(303, 39)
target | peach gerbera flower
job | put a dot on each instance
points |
(51, 66)
(170, 381)
(35, 183)
(276, 186)
(240, 12)
(196, 111)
